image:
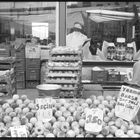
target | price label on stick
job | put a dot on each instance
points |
(128, 103)
(18, 131)
(94, 120)
(44, 109)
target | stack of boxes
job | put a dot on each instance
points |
(32, 65)
(7, 70)
(5, 50)
(20, 63)
(64, 68)
(7, 76)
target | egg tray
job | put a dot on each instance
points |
(61, 75)
(65, 59)
(52, 52)
(64, 64)
(60, 81)
(64, 68)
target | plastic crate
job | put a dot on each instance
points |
(20, 55)
(32, 84)
(20, 76)
(20, 85)
(20, 64)
(99, 76)
(32, 63)
(32, 51)
(32, 74)
(114, 76)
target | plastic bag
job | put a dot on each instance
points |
(104, 48)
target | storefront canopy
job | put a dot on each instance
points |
(108, 15)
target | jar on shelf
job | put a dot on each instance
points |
(111, 51)
(120, 49)
(129, 52)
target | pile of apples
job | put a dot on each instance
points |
(68, 118)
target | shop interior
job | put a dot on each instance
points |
(43, 59)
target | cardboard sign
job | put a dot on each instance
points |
(44, 109)
(32, 51)
(18, 131)
(94, 119)
(128, 103)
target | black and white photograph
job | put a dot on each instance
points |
(70, 69)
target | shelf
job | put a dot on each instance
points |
(104, 83)
(62, 81)
(92, 63)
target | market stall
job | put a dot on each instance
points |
(75, 97)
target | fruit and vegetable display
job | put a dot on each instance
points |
(64, 68)
(68, 119)
(7, 81)
(7, 59)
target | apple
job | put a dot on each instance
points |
(70, 133)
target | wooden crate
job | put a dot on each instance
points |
(20, 64)
(20, 76)
(20, 85)
(32, 63)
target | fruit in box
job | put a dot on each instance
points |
(69, 122)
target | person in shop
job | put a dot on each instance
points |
(77, 39)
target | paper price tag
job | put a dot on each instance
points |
(44, 109)
(128, 103)
(18, 131)
(94, 120)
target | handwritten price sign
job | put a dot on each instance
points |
(44, 109)
(18, 131)
(94, 119)
(128, 103)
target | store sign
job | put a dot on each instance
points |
(128, 103)
(94, 120)
(18, 131)
(44, 109)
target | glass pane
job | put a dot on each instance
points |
(101, 26)
(18, 19)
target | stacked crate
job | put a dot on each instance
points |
(64, 68)
(7, 76)
(32, 65)
(20, 63)
(5, 50)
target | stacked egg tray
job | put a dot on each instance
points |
(64, 68)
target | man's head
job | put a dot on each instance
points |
(78, 25)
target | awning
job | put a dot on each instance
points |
(108, 15)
